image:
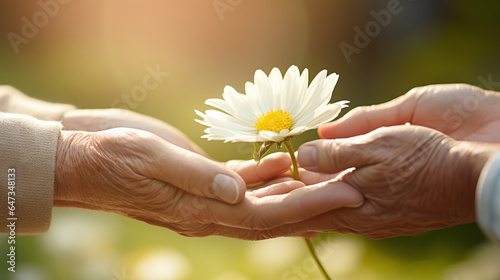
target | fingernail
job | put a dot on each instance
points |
(226, 188)
(308, 156)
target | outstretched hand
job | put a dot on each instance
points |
(413, 179)
(460, 111)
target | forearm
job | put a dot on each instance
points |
(14, 101)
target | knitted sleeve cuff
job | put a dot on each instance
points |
(28, 151)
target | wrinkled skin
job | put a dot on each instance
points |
(413, 178)
(145, 176)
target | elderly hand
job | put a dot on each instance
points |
(93, 120)
(461, 111)
(139, 175)
(414, 179)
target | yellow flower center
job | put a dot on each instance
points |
(274, 121)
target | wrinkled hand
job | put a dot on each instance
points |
(413, 179)
(461, 111)
(93, 120)
(139, 175)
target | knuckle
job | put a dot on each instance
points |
(420, 90)
(328, 155)
(359, 111)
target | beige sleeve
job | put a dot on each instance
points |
(27, 150)
(14, 101)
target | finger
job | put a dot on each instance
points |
(298, 205)
(331, 156)
(341, 220)
(195, 222)
(280, 186)
(311, 178)
(270, 167)
(194, 173)
(364, 119)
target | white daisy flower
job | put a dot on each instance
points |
(274, 108)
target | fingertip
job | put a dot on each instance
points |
(346, 194)
(278, 187)
(279, 158)
(325, 131)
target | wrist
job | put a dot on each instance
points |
(472, 157)
(67, 185)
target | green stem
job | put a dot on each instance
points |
(310, 246)
(295, 168)
(295, 174)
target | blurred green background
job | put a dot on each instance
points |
(90, 53)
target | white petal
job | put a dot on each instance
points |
(239, 104)
(276, 81)
(200, 114)
(264, 91)
(312, 93)
(220, 131)
(322, 96)
(327, 90)
(220, 119)
(253, 100)
(290, 88)
(326, 114)
(274, 136)
(294, 109)
(297, 130)
(256, 138)
(220, 104)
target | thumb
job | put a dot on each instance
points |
(364, 119)
(195, 174)
(330, 156)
